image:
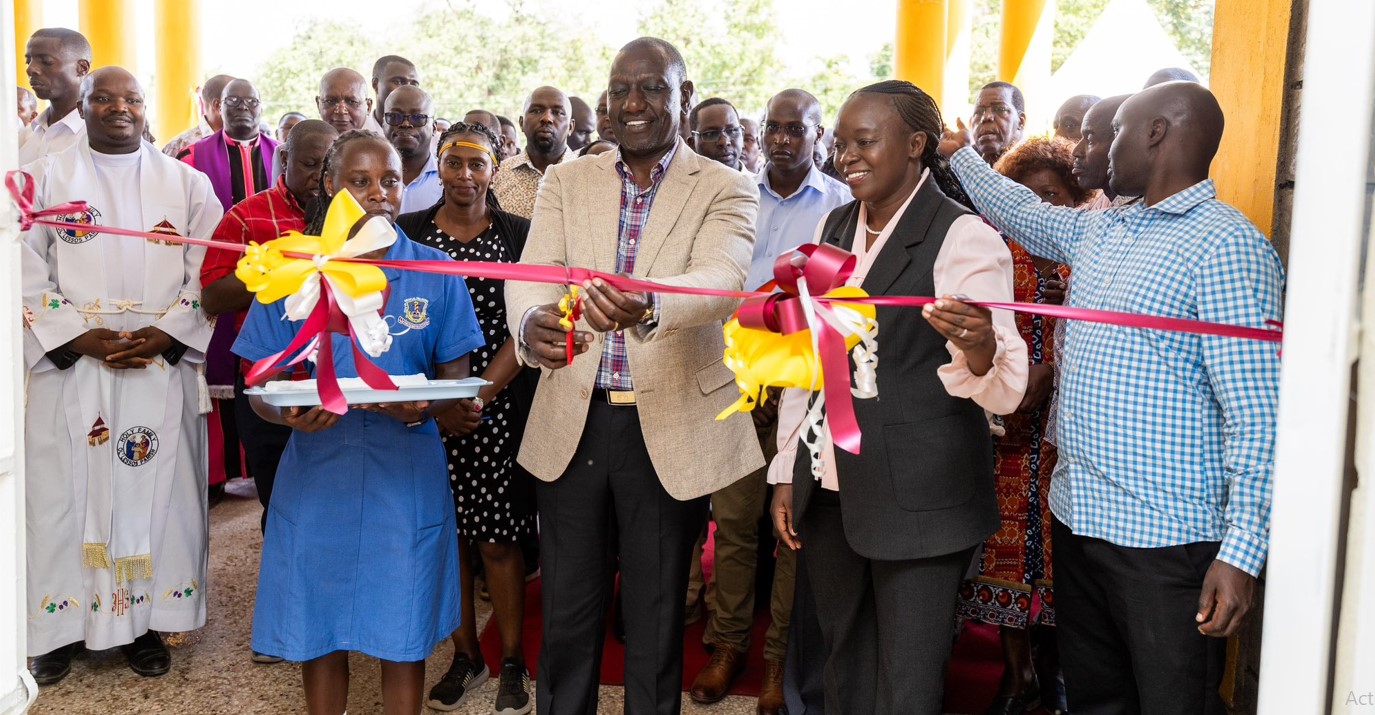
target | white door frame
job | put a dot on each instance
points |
(1322, 326)
(17, 689)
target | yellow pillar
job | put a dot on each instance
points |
(1028, 27)
(109, 26)
(919, 53)
(958, 29)
(28, 17)
(179, 70)
(1248, 34)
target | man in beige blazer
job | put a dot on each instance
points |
(624, 440)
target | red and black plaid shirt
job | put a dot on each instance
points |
(261, 217)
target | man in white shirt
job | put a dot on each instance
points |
(55, 60)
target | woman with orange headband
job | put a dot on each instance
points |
(492, 495)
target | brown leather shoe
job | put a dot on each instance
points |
(716, 677)
(771, 691)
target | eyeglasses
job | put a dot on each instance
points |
(712, 135)
(1000, 110)
(246, 102)
(335, 102)
(794, 130)
(396, 119)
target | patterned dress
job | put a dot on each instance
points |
(491, 497)
(1016, 559)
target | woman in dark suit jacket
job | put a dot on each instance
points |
(890, 532)
(493, 496)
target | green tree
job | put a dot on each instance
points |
(831, 85)
(881, 62)
(513, 55)
(729, 54)
(731, 51)
(1190, 23)
(522, 52)
(290, 78)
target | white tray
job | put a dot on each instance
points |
(303, 393)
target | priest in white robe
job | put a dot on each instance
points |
(115, 427)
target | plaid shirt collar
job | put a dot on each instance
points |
(657, 173)
(285, 194)
(1182, 202)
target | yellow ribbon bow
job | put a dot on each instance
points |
(762, 358)
(272, 274)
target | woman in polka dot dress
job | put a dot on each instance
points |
(491, 494)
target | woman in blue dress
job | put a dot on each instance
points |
(359, 553)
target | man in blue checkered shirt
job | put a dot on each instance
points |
(1162, 494)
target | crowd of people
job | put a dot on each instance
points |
(592, 459)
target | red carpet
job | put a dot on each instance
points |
(970, 685)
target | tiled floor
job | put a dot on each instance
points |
(211, 670)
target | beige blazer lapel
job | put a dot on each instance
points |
(601, 211)
(673, 195)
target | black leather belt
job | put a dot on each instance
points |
(619, 398)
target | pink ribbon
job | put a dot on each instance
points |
(825, 268)
(23, 201)
(316, 331)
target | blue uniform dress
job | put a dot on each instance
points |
(360, 552)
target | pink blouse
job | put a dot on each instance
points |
(973, 261)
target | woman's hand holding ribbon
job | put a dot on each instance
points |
(967, 327)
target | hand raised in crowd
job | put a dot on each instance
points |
(1225, 601)
(782, 512)
(1054, 292)
(546, 338)
(309, 419)
(1040, 382)
(144, 345)
(461, 420)
(608, 308)
(400, 411)
(967, 327)
(953, 140)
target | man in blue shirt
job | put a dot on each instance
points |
(1162, 494)
(409, 124)
(794, 197)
